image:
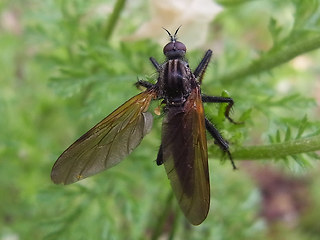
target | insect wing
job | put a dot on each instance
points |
(185, 157)
(107, 143)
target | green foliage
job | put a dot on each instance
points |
(68, 68)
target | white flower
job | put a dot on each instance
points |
(194, 16)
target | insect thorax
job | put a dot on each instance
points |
(176, 80)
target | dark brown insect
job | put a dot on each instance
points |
(183, 149)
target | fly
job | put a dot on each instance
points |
(183, 149)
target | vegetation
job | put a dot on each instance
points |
(65, 66)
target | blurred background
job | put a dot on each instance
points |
(65, 65)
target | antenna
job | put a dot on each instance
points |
(174, 37)
(171, 37)
(175, 34)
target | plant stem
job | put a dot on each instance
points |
(113, 18)
(278, 150)
(273, 59)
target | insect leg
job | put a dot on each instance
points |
(200, 70)
(142, 83)
(146, 84)
(159, 160)
(155, 64)
(213, 99)
(223, 144)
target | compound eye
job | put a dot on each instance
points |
(168, 48)
(180, 46)
(174, 50)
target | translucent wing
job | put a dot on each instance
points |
(185, 157)
(107, 143)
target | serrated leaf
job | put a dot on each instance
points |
(301, 161)
(271, 139)
(222, 108)
(278, 136)
(245, 115)
(313, 155)
(274, 30)
(302, 127)
(288, 134)
(305, 14)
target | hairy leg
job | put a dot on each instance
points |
(200, 70)
(223, 144)
(213, 99)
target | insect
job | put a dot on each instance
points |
(183, 149)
